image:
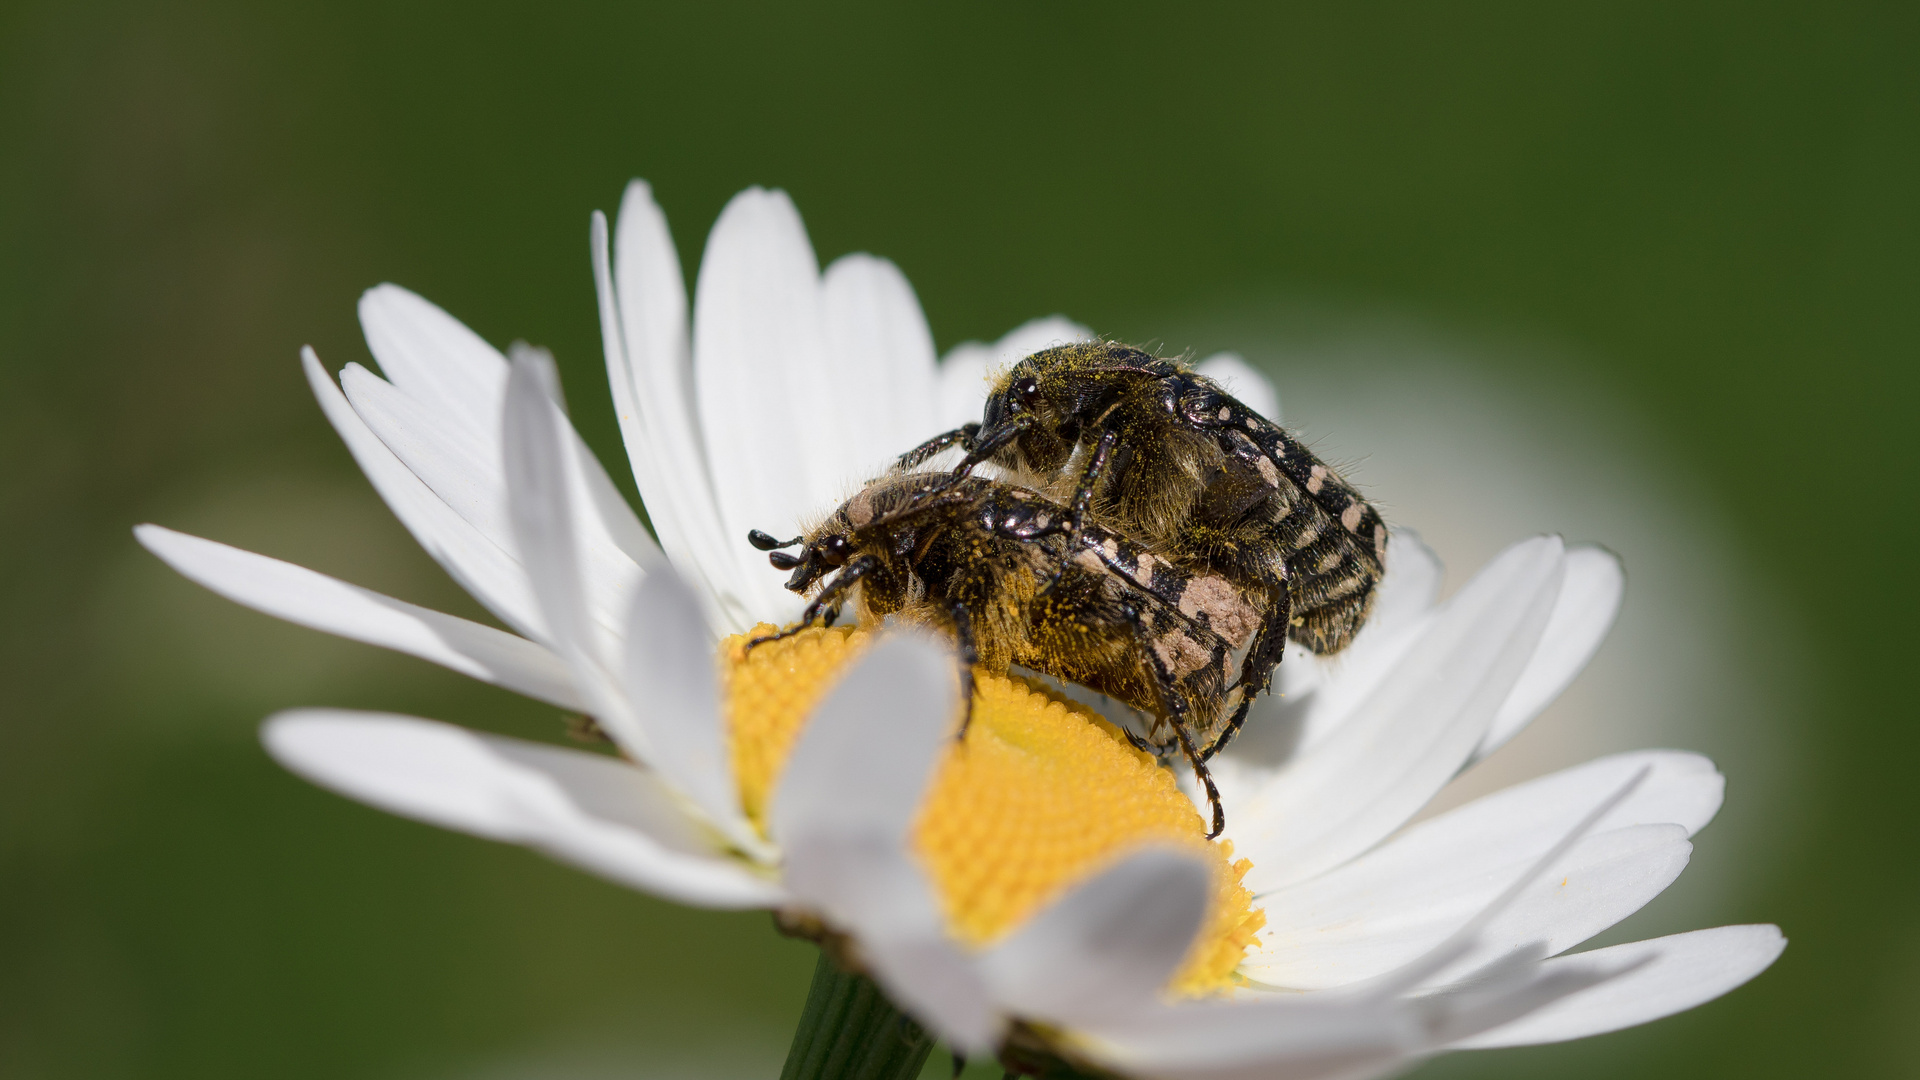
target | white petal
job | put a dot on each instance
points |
(961, 395)
(763, 377)
(460, 381)
(1683, 789)
(1243, 381)
(465, 471)
(460, 465)
(862, 762)
(1380, 900)
(545, 531)
(1112, 943)
(960, 391)
(1410, 586)
(1506, 991)
(882, 353)
(842, 813)
(643, 325)
(315, 600)
(450, 371)
(483, 568)
(434, 358)
(673, 681)
(1267, 1037)
(1312, 696)
(585, 809)
(1677, 973)
(1035, 334)
(1589, 600)
(1412, 732)
(1394, 904)
(1472, 933)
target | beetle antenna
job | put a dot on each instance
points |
(767, 543)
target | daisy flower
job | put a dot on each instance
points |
(1040, 889)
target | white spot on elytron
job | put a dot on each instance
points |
(1317, 479)
(1143, 570)
(1350, 517)
(1267, 470)
(1226, 412)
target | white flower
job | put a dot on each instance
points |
(1382, 943)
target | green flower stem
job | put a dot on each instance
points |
(850, 1031)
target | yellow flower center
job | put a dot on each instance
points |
(1041, 794)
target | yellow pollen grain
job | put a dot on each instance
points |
(1041, 794)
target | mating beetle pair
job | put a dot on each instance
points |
(1151, 538)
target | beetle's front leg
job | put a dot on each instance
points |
(966, 436)
(1083, 500)
(1089, 480)
(828, 603)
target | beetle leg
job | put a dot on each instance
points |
(969, 656)
(828, 603)
(995, 441)
(1173, 707)
(963, 436)
(1263, 656)
(1083, 498)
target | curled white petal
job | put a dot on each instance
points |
(468, 472)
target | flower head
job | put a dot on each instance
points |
(1039, 886)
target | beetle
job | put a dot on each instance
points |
(1014, 579)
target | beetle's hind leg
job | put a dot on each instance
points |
(1205, 776)
(1263, 657)
(1174, 708)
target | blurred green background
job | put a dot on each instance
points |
(1712, 207)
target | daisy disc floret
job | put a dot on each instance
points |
(1038, 889)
